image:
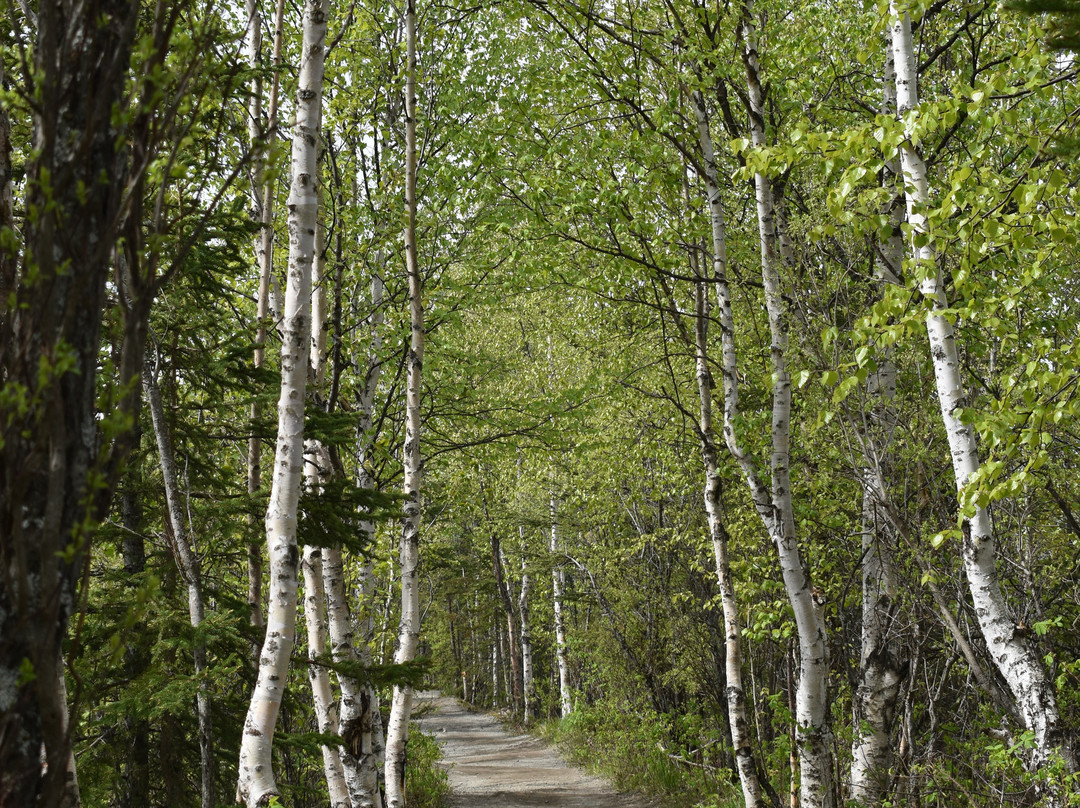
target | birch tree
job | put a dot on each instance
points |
(409, 630)
(1009, 646)
(256, 776)
(190, 570)
(880, 661)
(775, 506)
(268, 293)
(317, 471)
(558, 586)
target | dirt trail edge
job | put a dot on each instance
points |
(490, 768)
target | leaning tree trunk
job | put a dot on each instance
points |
(191, 572)
(775, 505)
(51, 312)
(736, 696)
(256, 776)
(881, 664)
(1009, 647)
(409, 629)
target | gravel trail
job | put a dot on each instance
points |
(492, 768)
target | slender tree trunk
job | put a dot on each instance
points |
(361, 725)
(316, 475)
(71, 797)
(136, 787)
(325, 705)
(409, 632)
(253, 42)
(256, 776)
(190, 570)
(526, 633)
(503, 587)
(558, 587)
(736, 696)
(775, 505)
(1009, 647)
(881, 666)
(8, 258)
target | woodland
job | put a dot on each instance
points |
(692, 381)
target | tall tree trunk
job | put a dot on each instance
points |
(268, 303)
(50, 327)
(190, 570)
(409, 631)
(513, 649)
(361, 720)
(1009, 647)
(136, 784)
(881, 665)
(527, 684)
(558, 587)
(316, 474)
(736, 695)
(775, 505)
(256, 777)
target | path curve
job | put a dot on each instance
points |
(492, 768)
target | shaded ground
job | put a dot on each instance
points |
(491, 768)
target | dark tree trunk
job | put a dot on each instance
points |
(55, 480)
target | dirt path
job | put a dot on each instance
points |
(491, 768)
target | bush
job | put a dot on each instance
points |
(634, 747)
(427, 785)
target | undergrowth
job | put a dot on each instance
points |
(636, 753)
(427, 784)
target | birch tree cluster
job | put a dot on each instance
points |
(693, 383)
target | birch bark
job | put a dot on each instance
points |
(253, 42)
(1010, 649)
(360, 718)
(188, 562)
(736, 696)
(558, 585)
(409, 630)
(256, 777)
(775, 505)
(526, 633)
(880, 665)
(316, 475)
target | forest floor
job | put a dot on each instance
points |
(492, 768)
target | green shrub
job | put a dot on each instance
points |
(427, 785)
(633, 746)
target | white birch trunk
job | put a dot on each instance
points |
(256, 777)
(775, 506)
(736, 696)
(316, 475)
(325, 705)
(360, 718)
(409, 630)
(558, 585)
(880, 663)
(188, 563)
(526, 632)
(1009, 647)
(268, 292)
